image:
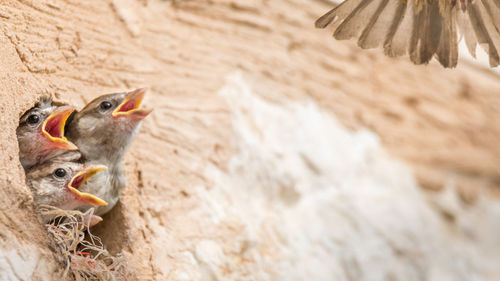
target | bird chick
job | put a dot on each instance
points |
(41, 133)
(103, 131)
(420, 28)
(58, 181)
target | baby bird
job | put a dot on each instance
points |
(41, 133)
(57, 182)
(420, 28)
(103, 131)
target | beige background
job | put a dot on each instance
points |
(191, 54)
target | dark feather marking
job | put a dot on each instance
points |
(491, 22)
(369, 28)
(417, 34)
(398, 18)
(447, 51)
(494, 13)
(482, 33)
(340, 32)
(432, 31)
(426, 33)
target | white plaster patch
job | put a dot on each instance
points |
(319, 202)
(23, 263)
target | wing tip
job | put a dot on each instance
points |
(325, 20)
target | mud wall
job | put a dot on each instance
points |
(218, 190)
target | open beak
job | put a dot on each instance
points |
(53, 128)
(130, 105)
(80, 178)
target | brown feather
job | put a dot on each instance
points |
(376, 31)
(358, 19)
(447, 52)
(490, 27)
(433, 29)
(465, 27)
(494, 14)
(419, 27)
(493, 21)
(481, 32)
(396, 43)
(340, 12)
(426, 33)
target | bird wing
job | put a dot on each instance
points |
(420, 28)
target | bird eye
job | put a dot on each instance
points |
(60, 173)
(33, 119)
(105, 105)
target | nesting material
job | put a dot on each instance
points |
(79, 250)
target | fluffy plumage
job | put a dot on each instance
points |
(57, 182)
(103, 131)
(420, 28)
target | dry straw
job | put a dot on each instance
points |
(82, 252)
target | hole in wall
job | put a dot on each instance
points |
(113, 229)
(49, 176)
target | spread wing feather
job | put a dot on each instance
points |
(339, 12)
(447, 52)
(399, 31)
(375, 32)
(484, 39)
(420, 29)
(358, 19)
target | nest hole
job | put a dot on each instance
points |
(113, 230)
(85, 254)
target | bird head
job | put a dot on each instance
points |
(105, 126)
(57, 183)
(42, 128)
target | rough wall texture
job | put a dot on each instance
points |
(203, 201)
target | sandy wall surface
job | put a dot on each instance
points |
(218, 190)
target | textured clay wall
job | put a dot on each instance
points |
(271, 152)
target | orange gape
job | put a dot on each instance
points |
(41, 133)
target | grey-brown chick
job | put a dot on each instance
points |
(103, 131)
(420, 28)
(57, 182)
(41, 133)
